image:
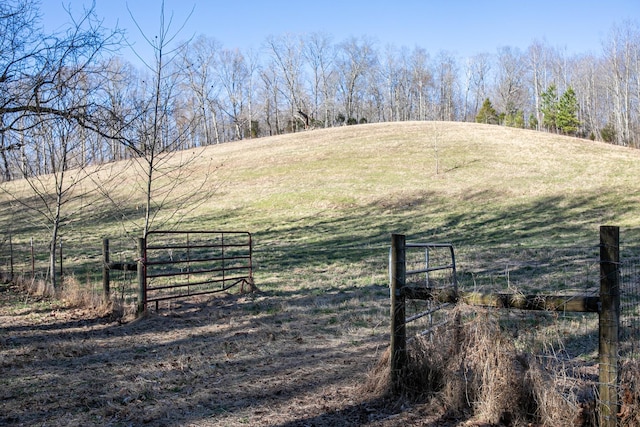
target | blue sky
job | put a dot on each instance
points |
(460, 27)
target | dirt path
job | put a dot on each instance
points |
(233, 360)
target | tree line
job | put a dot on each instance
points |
(213, 94)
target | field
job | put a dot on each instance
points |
(522, 209)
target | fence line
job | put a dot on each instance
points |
(607, 304)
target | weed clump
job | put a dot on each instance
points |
(72, 295)
(470, 368)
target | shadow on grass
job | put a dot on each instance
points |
(549, 232)
(483, 223)
(196, 361)
(269, 352)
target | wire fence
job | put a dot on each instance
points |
(630, 309)
(77, 263)
(521, 269)
(551, 270)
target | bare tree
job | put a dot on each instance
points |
(200, 63)
(392, 68)
(320, 55)
(477, 75)
(422, 80)
(271, 98)
(590, 92)
(622, 58)
(36, 70)
(511, 79)
(123, 90)
(253, 68)
(538, 57)
(355, 59)
(7, 145)
(54, 197)
(151, 131)
(447, 86)
(49, 89)
(286, 53)
(233, 75)
(405, 92)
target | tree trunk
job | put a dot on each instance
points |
(55, 227)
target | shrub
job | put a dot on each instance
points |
(608, 133)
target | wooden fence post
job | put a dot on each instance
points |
(397, 277)
(61, 269)
(608, 324)
(106, 276)
(142, 279)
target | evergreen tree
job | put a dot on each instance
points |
(515, 119)
(487, 113)
(567, 113)
(608, 133)
(549, 108)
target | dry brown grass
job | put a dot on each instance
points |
(630, 394)
(471, 370)
(34, 286)
(229, 360)
(71, 293)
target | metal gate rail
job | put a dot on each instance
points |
(188, 263)
(428, 269)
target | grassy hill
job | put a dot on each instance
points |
(322, 204)
(522, 208)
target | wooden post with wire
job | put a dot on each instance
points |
(607, 304)
(106, 275)
(142, 277)
(397, 278)
(609, 324)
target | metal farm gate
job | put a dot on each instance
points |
(176, 264)
(428, 266)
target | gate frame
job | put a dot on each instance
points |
(141, 263)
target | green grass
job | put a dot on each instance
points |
(322, 204)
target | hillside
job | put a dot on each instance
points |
(409, 167)
(330, 196)
(479, 186)
(521, 207)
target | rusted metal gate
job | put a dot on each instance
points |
(176, 264)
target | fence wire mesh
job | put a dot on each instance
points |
(78, 264)
(630, 309)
